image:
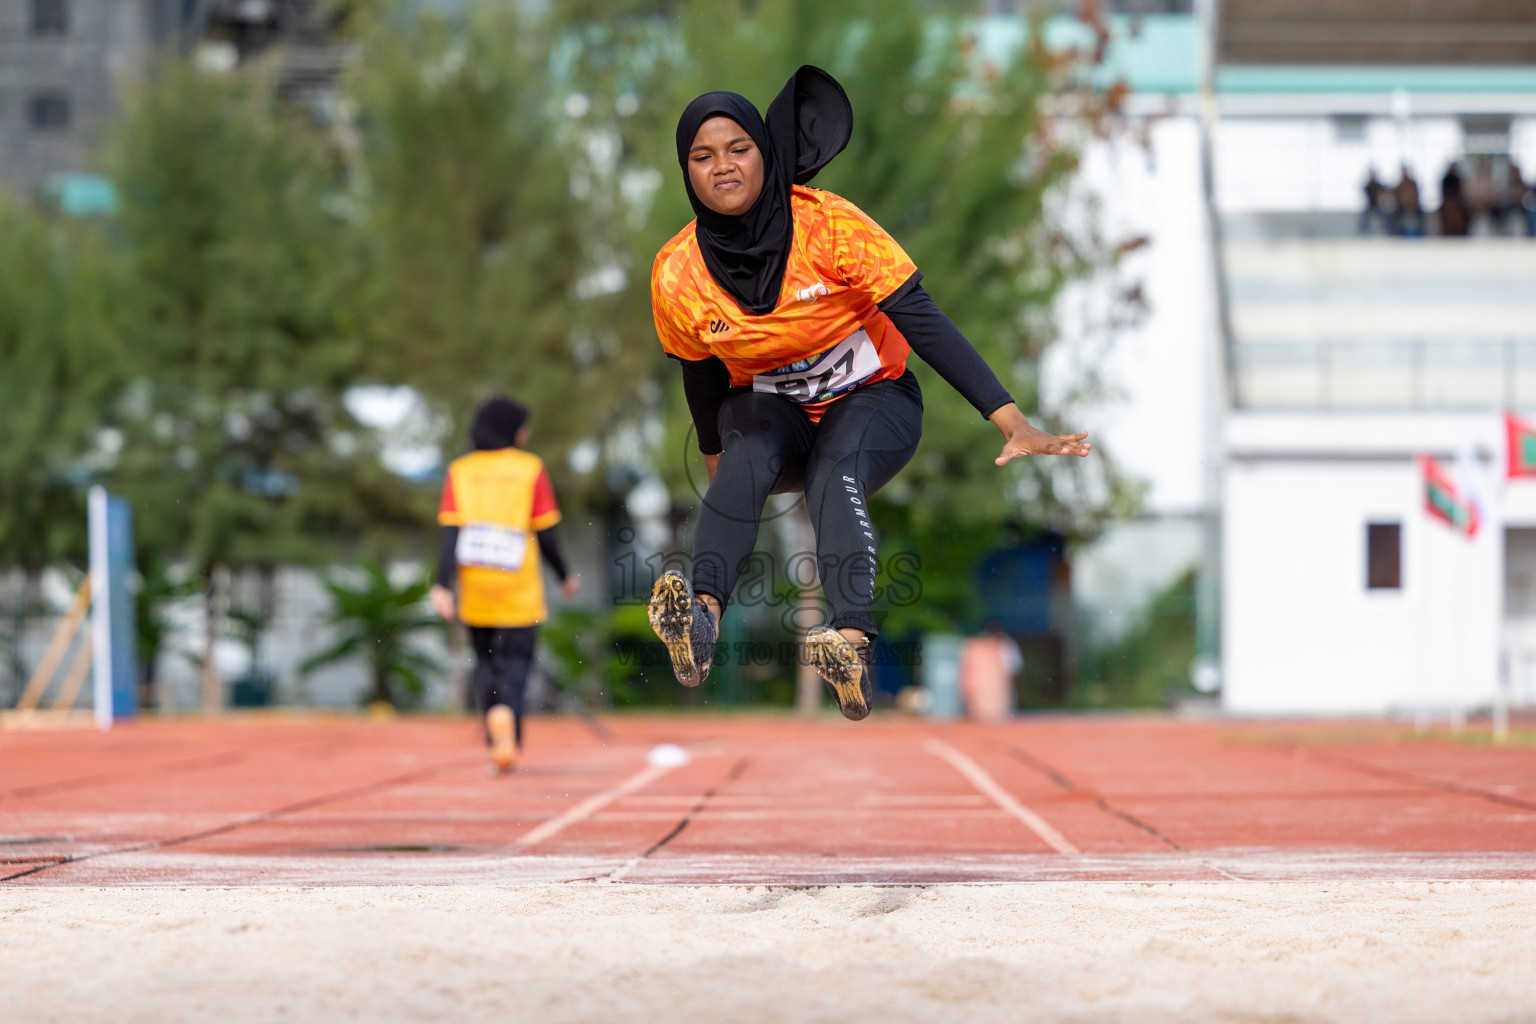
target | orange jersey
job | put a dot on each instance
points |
(825, 336)
(499, 499)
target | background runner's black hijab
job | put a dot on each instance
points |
(808, 124)
(496, 424)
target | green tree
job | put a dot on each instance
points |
(487, 274)
(160, 587)
(238, 446)
(1149, 666)
(376, 620)
(238, 437)
(59, 355)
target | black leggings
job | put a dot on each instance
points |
(862, 441)
(503, 656)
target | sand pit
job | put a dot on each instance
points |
(1278, 951)
(1225, 872)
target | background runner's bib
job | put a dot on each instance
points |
(836, 371)
(491, 546)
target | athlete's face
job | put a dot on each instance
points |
(725, 167)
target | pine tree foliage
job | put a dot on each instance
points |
(376, 621)
(57, 352)
(492, 266)
(238, 445)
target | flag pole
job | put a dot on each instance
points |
(1502, 685)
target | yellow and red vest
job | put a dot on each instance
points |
(499, 499)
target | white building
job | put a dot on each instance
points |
(1346, 357)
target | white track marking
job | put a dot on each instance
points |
(584, 810)
(989, 812)
(988, 785)
(617, 875)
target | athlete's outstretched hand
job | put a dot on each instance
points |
(442, 602)
(1025, 439)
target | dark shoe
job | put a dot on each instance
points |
(845, 666)
(685, 626)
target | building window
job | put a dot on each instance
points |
(1384, 556)
(1485, 134)
(49, 112)
(50, 17)
(1348, 128)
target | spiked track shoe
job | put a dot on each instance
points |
(845, 667)
(685, 626)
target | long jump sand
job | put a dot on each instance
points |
(1083, 951)
(1071, 869)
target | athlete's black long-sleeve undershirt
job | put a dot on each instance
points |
(932, 335)
(706, 382)
(448, 562)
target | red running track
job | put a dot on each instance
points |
(764, 799)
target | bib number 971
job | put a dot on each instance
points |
(839, 369)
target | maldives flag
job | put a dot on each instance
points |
(1521, 447)
(1443, 500)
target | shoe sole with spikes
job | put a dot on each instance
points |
(679, 619)
(837, 661)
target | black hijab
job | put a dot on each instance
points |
(497, 423)
(808, 124)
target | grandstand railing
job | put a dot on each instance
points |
(1385, 375)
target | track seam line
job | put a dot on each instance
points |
(1024, 756)
(584, 810)
(85, 781)
(212, 760)
(255, 819)
(1424, 781)
(704, 800)
(978, 777)
(618, 873)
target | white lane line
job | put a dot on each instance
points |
(989, 786)
(584, 810)
(618, 874)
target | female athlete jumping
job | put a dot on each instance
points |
(792, 314)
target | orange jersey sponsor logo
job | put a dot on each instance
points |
(825, 337)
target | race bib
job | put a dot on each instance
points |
(491, 547)
(836, 371)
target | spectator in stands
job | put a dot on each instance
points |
(1376, 199)
(1512, 199)
(1453, 207)
(989, 666)
(1525, 198)
(1408, 218)
(1482, 193)
(1505, 197)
